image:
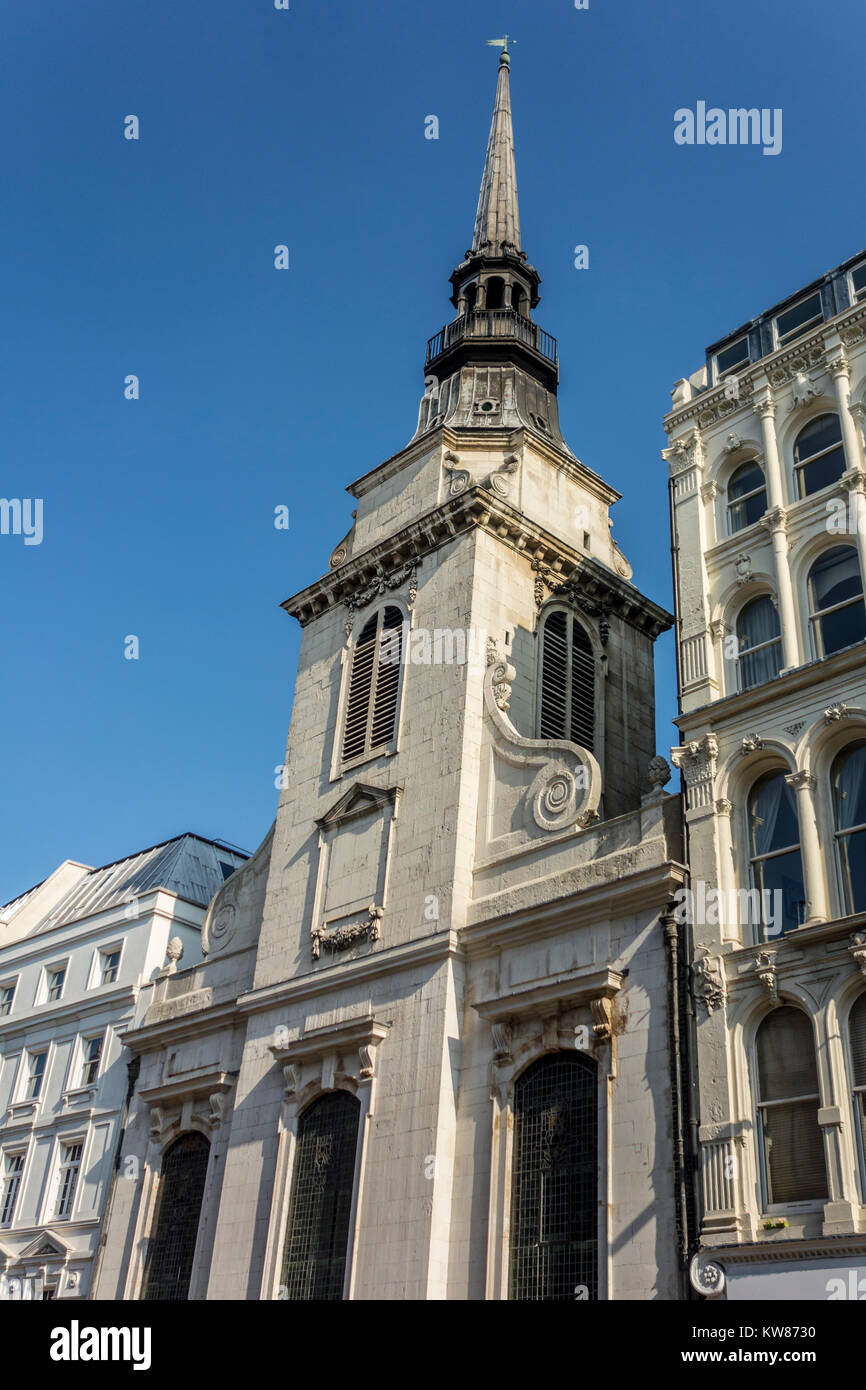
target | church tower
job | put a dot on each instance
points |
(430, 1047)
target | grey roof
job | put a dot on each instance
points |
(497, 220)
(188, 865)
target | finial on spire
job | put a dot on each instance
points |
(504, 59)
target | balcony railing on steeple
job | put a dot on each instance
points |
(493, 323)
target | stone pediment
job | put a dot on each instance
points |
(359, 800)
(46, 1246)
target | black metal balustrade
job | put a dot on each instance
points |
(492, 323)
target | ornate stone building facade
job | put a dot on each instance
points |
(429, 1052)
(74, 952)
(767, 481)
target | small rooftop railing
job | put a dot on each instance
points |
(492, 323)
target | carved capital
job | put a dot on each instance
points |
(800, 781)
(774, 520)
(857, 948)
(765, 408)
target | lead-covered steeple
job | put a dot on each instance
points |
(497, 221)
(493, 366)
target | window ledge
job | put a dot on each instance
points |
(77, 1096)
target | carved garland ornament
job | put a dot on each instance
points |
(343, 937)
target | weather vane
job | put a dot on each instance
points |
(500, 43)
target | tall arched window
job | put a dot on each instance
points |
(857, 1037)
(374, 685)
(747, 496)
(554, 1203)
(819, 455)
(791, 1144)
(317, 1236)
(776, 867)
(567, 704)
(168, 1269)
(848, 778)
(838, 616)
(759, 643)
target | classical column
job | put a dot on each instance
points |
(774, 522)
(839, 371)
(724, 844)
(855, 480)
(765, 409)
(810, 848)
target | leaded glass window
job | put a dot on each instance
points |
(554, 1207)
(175, 1228)
(317, 1236)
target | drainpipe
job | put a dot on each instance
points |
(678, 1117)
(132, 1070)
(691, 1098)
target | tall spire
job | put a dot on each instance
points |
(497, 220)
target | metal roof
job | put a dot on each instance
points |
(188, 865)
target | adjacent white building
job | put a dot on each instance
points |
(767, 479)
(74, 952)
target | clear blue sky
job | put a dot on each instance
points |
(261, 388)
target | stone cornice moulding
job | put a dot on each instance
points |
(151, 1037)
(476, 507)
(775, 367)
(348, 975)
(187, 1087)
(496, 920)
(360, 1034)
(790, 682)
(69, 1011)
(580, 986)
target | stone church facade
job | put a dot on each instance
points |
(432, 1049)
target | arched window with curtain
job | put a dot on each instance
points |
(370, 721)
(747, 496)
(567, 703)
(775, 863)
(168, 1269)
(554, 1199)
(857, 1039)
(838, 617)
(323, 1181)
(790, 1140)
(759, 643)
(819, 455)
(848, 779)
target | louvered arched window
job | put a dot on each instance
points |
(791, 1142)
(554, 1203)
(567, 704)
(374, 685)
(317, 1237)
(168, 1269)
